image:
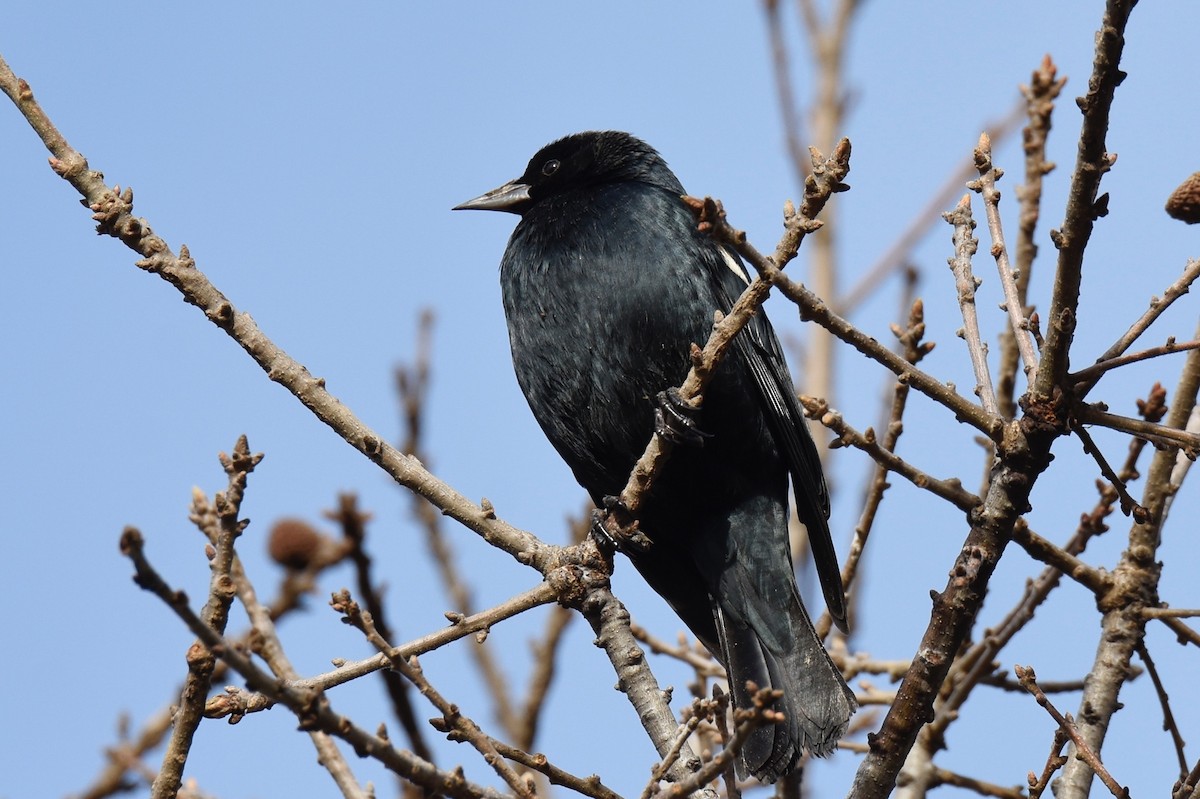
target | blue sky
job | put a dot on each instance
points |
(308, 155)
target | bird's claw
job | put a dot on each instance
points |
(614, 529)
(675, 419)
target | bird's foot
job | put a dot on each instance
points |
(614, 529)
(675, 419)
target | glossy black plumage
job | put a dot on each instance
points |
(606, 283)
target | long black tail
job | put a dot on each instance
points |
(767, 636)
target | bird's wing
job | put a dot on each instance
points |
(758, 348)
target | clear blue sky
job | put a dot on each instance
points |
(309, 154)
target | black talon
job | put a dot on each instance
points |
(599, 533)
(615, 529)
(675, 419)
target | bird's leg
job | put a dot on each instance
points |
(675, 419)
(615, 529)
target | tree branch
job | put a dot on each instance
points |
(1084, 207)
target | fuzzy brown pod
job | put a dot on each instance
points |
(1184, 202)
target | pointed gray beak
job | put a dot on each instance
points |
(512, 197)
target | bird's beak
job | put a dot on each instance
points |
(512, 197)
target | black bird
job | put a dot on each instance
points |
(606, 284)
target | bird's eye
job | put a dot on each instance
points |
(550, 167)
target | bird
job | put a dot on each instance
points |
(606, 284)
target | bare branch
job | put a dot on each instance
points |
(1129, 505)
(923, 221)
(215, 615)
(113, 211)
(748, 720)
(412, 388)
(610, 621)
(943, 776)
(1093, 372)
(354, 530)
(1055, 761)
(460, 627)
(1066, 724)
(588, 786)
(545, 655)
(312, 709)
(965, 282)
(1135, 585)
(1157, 305)
(266, 643)
(1062, 560)
(950, 489)
(812, 308)
(702, 662)
(453, 721)
(913, 349)
(1014, 304)
(1084, 206)
(1164, 701)
(1163, 436)
(1043, 89)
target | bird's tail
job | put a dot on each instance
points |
(767, 636)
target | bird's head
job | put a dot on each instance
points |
(578, 162)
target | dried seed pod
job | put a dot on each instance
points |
(1184, 202)
(294, 543)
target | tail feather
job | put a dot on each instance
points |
(777, 647)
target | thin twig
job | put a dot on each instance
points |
(1162, 436)
(588, 786)
(1135, 581)
(923, 221)
(1092, 373)
(1013, 302)
(828, 44)
(412, 389)
(814, 309)
(545, 654)
(1164, 701)
(1170, 613)
(1158, 305)
(1040, 549)
(1043, 89)
(1183, 633)
(1055, 761)
(215, 615)
(1084, 205)
(460, 627)
(1029, 680)
(913, 349)
(354, 530)
(965, 282)
(663, 766)
(748, 720)
(702, 662)
(943, 776)
(266, 643)
(783, 88)
(453, 720)
(949, 489)
(1129, 505)
(311, 708)
(721, 721)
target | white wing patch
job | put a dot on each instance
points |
(733, 264)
